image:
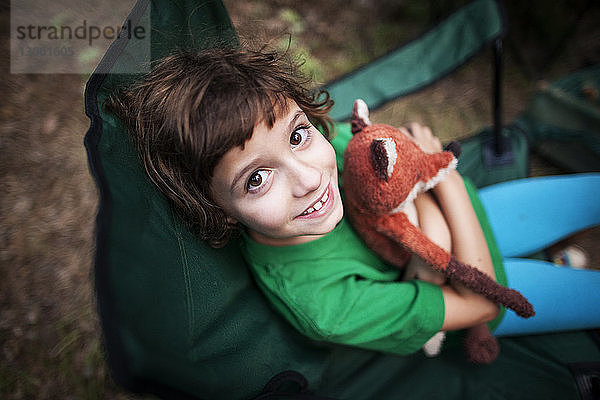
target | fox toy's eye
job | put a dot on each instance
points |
(300, 137)
(257, 180)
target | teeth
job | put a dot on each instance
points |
(318, 205)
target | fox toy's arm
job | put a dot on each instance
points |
(397, 227)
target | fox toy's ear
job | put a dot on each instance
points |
(360, 116)
(383, 157)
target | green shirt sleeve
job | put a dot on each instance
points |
(396, 317)
(334, 289)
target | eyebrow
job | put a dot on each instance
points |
(253, 164)
(296, 117)
(237, 179)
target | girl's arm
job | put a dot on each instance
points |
(463, 307)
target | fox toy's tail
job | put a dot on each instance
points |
(397, 228)
(484, 285)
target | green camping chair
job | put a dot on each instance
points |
(183, 320)
(563, 121)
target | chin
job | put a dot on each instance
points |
(335, 219)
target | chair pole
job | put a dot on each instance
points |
(497, 150)
(498, 139)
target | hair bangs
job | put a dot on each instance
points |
(193, 107)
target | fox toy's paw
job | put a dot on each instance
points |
(480, 345)
(433, 346)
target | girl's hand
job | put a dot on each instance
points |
(423, 137)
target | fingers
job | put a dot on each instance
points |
(417, 129)
(424, 137)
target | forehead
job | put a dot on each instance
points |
(269, 131)
(266, 142)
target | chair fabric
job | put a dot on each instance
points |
(421, 62)
(183, 320)
(563, 121)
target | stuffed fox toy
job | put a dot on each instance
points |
(384, 171)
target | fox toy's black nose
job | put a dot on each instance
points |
(454, 147)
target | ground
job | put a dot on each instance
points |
(50, 342)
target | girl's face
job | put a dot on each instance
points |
(283, 185)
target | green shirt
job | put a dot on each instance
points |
(335, 289)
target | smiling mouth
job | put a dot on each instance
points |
(318, 204)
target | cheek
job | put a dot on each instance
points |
(330, 156)
(266, 214)
(324, 153)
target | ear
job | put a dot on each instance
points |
(360, 116)
(383, 157)
(232, 221)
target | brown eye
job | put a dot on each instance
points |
(296, 138)
(255, 179)
(300, 136)
(258, 180)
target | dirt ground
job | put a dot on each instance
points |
(50, 341)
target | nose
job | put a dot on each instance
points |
(305, 177)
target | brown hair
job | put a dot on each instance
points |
(193, 107)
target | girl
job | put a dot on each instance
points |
(230, 137)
